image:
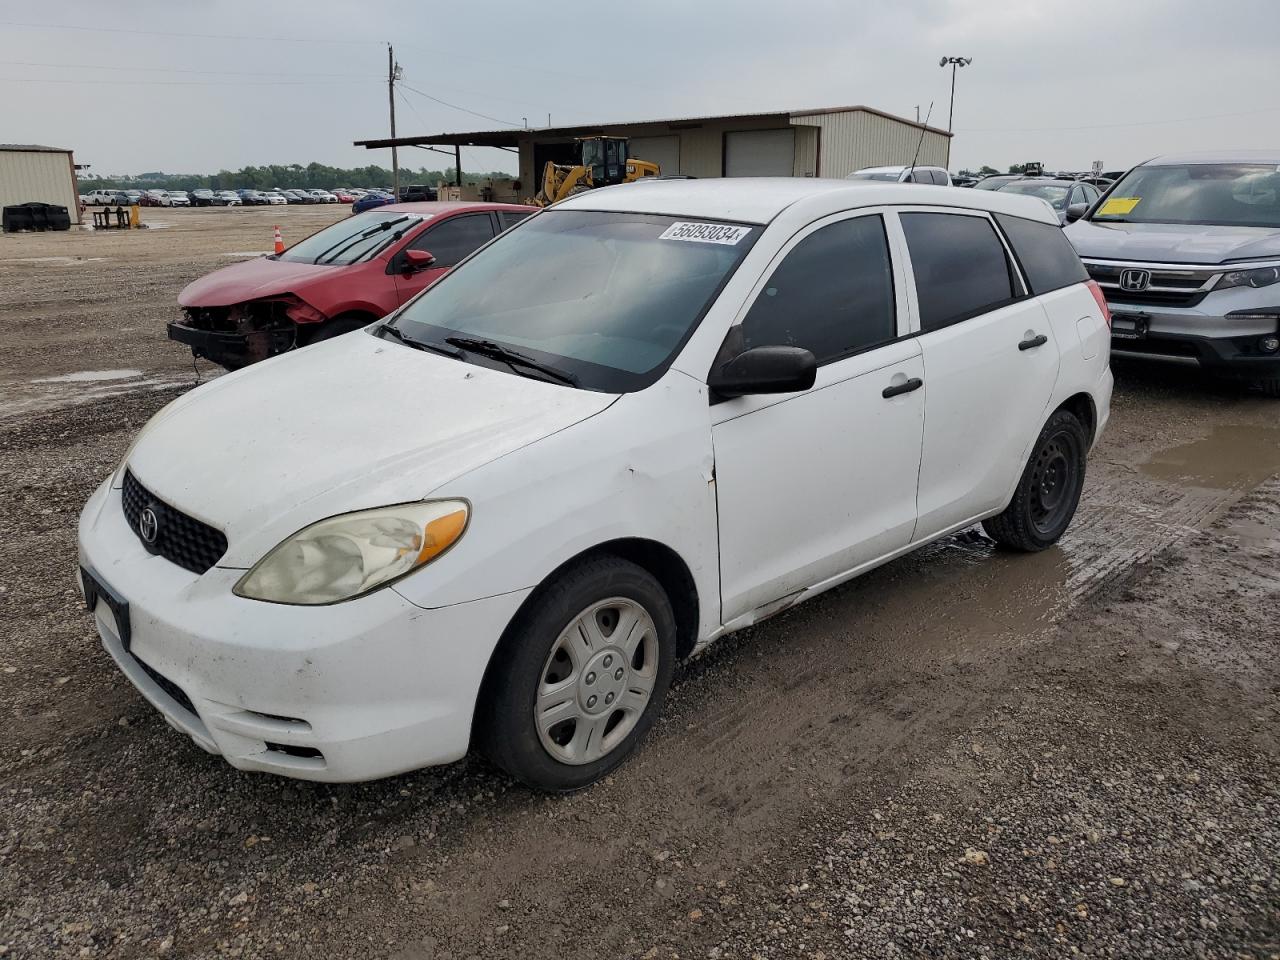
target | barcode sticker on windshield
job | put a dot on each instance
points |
(705, 233)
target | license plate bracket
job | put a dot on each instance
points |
(95, 590)
(1126, 325)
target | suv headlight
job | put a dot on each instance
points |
(1257, 277)
(354, 553)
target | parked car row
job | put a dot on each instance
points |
(221, 198)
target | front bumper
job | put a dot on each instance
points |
(352, 691)
(232, 350)
(1225, 346)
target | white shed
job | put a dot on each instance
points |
(33, 173)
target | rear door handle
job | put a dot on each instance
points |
(1034, 342)
(915, 383)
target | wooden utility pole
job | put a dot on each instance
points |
(391, 99)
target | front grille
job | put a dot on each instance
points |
(180, 539)
(169, 687)
(1168, 287)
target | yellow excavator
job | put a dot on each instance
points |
(605, 161)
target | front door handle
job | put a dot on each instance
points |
(915, 383)
(1033, 342)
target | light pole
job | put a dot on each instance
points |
(955, 62)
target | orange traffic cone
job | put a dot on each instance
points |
(279, 241)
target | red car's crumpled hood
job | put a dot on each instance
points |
(250, 280)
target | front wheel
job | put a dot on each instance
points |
(1048, 492)
(580, 677)
(333, 328)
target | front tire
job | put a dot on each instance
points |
(580, 676)
(333, 328)
(1048, 492)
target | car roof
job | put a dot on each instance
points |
(443, 207)
(1056, 181)
(897, 168)
(1215, 156)
(761, 199)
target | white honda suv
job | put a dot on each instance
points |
(633, 423)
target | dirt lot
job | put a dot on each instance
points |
(964, 754)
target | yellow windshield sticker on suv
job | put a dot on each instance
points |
(1119, 206)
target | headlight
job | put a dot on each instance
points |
(1257, 277)
(350, 555)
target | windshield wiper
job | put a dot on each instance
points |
(512, 358)
(372, 231)
(398, 334)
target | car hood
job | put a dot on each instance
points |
(249, 280)
(1172, 242)
(347, 424)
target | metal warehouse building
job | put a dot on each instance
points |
(46, 174)
(829, 142)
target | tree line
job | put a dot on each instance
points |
(312, 176)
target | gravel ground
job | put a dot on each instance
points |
(965, 753)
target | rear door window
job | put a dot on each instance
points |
(510, 219)
(1048, 260)
(454, 239)
(960, 266)
(832, 294)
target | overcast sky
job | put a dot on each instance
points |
(1062, 83)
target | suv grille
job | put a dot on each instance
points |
(180, 539)
(1168, 287)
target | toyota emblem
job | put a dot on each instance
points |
(1135, 281)
(148, 526)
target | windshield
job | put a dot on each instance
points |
(891, 175)
(607, 297)
(1055, 193)
(353, 239)
(991, 183)
(1223, 194)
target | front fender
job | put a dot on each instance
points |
(641, 468)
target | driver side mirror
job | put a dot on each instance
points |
(773, 369)
(1076, 211)
(415, 260)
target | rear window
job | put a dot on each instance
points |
(960, 266)
(1048, 260)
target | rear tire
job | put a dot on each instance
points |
(1048, 492)
(1270, 388)
(580, 677)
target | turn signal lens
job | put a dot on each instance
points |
(353, 554)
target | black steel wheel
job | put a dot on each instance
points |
(1048, 492)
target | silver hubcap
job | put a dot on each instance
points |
(597, 681)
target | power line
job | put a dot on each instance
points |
(229, 73)
(186, 83)
(454, 106)
(1108, 126)
(164, 33)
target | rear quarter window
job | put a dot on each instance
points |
(1048, 260)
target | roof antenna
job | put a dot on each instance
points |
(919, 143)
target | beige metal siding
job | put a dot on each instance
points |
(45, 177)
(851, 140)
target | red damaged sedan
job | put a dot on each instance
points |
(335, 281)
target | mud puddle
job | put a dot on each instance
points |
(91, 376)
(1231, 457)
